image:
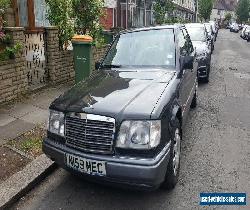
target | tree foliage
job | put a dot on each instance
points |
(205, 9)
(161, 8)
(87, 16)
(228, 17)
(242, 10)
(4, 4)
(72, 16)
(60, 14)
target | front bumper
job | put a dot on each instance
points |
(121, 171)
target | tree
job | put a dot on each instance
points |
(161, 8)
(242, 10)
(228, 17)
(60, 14)
(205, 9)
(4, 4)
(87, 16)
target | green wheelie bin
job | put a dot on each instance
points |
(82, 56)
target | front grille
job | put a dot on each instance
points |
(90, 133)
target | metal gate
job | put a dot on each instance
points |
(35, 60)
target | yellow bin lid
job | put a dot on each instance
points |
(82, 38)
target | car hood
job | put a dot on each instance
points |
(201, 47)
(117, 93)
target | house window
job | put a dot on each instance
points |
(23, 13)
(40, 10)
(31, 14)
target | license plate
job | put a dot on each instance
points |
(84, 165)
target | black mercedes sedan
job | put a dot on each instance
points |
(123, 125)
(202, 44)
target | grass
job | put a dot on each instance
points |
(30, 142)
(33, 145)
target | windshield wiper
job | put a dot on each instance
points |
(111, 66)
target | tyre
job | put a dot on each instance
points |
(206, 79)
(194, 100)
(173, 167)
(248, 40)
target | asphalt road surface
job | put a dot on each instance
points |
(215, 149)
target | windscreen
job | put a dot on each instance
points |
(197, 33)
(143, 49)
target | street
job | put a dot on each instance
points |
(215, 149)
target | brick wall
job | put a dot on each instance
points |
(107, 20)
(13, 75)
(60, 63)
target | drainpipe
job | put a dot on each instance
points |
(126, 13)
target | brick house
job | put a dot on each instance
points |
(110, 10)
(139, 13)
(221, 8)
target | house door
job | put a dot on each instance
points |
(31, 14)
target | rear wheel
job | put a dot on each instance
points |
(206, 79)
(173, 167)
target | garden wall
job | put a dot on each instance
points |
(60, 65)
(13, 74)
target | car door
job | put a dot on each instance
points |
(188, 75)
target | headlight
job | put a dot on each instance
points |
(56, 123)
(139, 134)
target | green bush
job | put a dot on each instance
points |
(60, 14)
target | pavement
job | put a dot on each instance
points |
(15, 120)
(215, 148)
(18, 118)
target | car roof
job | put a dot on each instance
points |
(174, 26)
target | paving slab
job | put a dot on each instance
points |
(14, 129)
(39, 116)
(21, 182)
(6, 119)
(21, 109)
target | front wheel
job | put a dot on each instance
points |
(173, 167)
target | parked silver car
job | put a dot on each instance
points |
(245, 32)
(211, 35)
(235, 28)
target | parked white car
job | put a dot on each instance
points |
(235, 28)
(245, 31)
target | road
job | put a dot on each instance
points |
(215, 148)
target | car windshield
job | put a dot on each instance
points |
(208, 27)
(151, 48)
(197, 33)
